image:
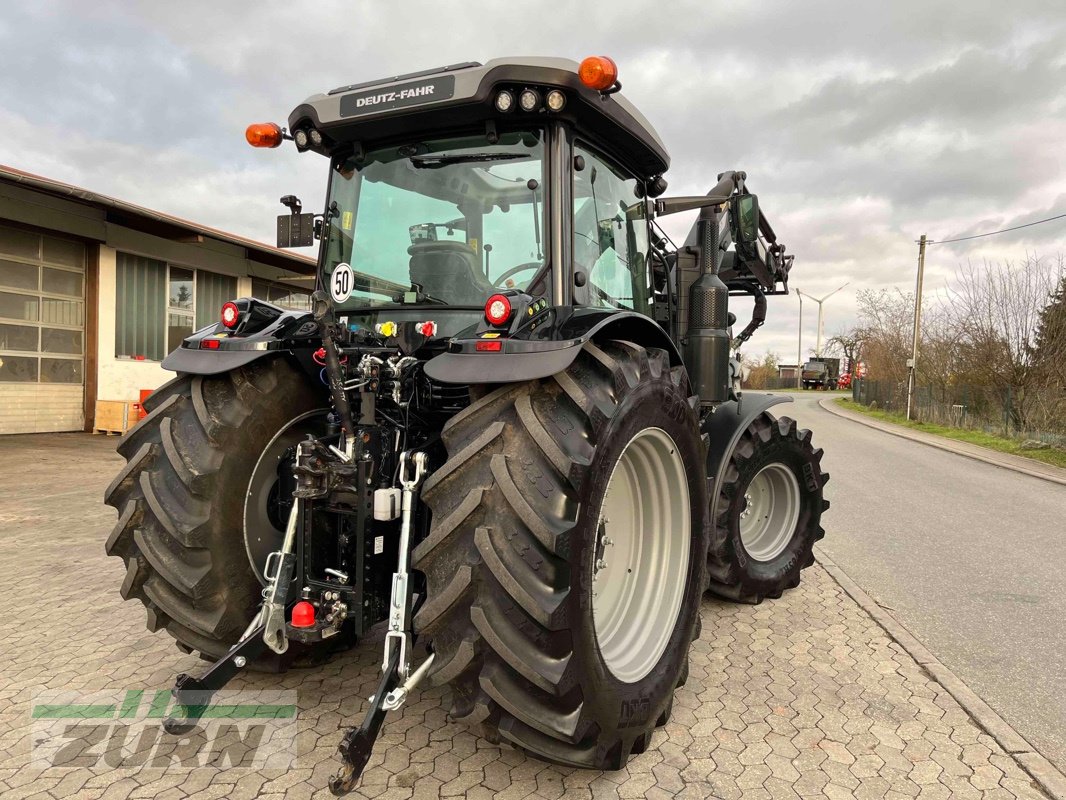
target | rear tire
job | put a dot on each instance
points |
(515, 540)
(768, 512)
(181, 495)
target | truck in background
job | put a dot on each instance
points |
(820, 373)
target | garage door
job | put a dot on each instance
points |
(42, 332)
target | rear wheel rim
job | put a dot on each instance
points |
(263, 533)
(770, 512)
(641, 555)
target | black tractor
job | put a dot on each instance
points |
(509, 427)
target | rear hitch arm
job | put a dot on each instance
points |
(267, 630)
(397, 680)
(193, 695)
(358, 743)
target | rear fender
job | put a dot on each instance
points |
(723, 429)
(269, 330)
(523, 360)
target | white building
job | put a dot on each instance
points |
(94, 292)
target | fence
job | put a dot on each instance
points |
(774, 383)
(1038, 414)
(778, 383)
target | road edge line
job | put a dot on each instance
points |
(903, 433)
(1049, 778)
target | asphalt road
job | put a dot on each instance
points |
(970, 557)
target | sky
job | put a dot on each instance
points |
(861, 125)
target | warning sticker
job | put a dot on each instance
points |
(379, 545)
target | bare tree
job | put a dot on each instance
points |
(849, 344)
(996, 312)
(885, 325)
(760, 372)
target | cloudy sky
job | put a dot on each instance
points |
(861, 124)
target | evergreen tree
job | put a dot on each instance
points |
(1049, 344)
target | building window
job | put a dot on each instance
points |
(212, 290)
(140, 301)
(159, 304)
(42, 308)
(179, 306)
(282, 295)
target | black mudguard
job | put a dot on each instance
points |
(723, 429)
(265, 330)
(526, 360)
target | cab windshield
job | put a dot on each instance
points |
(444, 221)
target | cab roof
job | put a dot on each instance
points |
(461, 95)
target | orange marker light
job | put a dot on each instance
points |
(598, 72)
(263, 134)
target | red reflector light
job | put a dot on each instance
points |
(263, 134)
(598, 72)
(303, 615)
(231, 315)
(209, 344)
(498, 309)
(493, 346)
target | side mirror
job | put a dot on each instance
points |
(746, 218)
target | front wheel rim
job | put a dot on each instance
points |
(641, 555)
(771, 507)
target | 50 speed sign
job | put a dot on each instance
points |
(341, 283)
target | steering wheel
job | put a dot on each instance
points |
(534, 265)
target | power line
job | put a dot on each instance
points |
(993, 233)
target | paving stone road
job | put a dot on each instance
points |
(803, 696)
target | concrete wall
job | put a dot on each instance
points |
(41, 407)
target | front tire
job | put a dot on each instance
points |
(768, 512)
(515, 544)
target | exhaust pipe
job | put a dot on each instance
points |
(707, 338)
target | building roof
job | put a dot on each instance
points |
(156, 223)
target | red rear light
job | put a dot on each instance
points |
(493, 346)
(209, 344)
(231, 315)
(498, 309)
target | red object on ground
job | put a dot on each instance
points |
(303, 615)
(141, 411)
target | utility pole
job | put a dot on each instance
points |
(912, 364)
(818, 342)
(799, 345)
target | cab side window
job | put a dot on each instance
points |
(610, 236)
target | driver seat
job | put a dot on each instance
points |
(450, 272)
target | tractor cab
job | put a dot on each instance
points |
(521, 178)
